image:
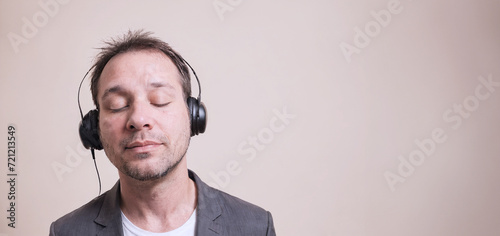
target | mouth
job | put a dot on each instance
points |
(143, 145)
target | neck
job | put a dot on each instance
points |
(159, 205)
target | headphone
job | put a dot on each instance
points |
(89, 126)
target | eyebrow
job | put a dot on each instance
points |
(161, 85)
(114, 89)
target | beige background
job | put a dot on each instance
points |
(323, 171)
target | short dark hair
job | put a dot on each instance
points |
(136, 41)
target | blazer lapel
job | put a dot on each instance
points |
(208, 209)
(109, 217)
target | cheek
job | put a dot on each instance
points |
(106, 127)
(178, 121)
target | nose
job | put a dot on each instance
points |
(139, 118)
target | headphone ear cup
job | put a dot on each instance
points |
(89, 130)
(202, 118)
(197, 116)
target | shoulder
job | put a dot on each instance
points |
(235, 206)
(102, 211)
(234, 215)
(78, 220)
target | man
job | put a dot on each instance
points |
(140, 87)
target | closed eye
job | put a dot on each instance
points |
(161, 104)
(119, 109)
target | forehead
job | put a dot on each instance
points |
(139, 68)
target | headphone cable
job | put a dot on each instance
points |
(96, 169)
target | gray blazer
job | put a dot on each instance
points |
(217, 213)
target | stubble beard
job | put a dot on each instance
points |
(141, 175)
(169, 160)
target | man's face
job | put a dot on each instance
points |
(143, 118)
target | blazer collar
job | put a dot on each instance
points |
(110, 218)
(208, 210)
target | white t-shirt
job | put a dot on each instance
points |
(186, 229)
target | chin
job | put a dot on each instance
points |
(144, 175)
(147, 170)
